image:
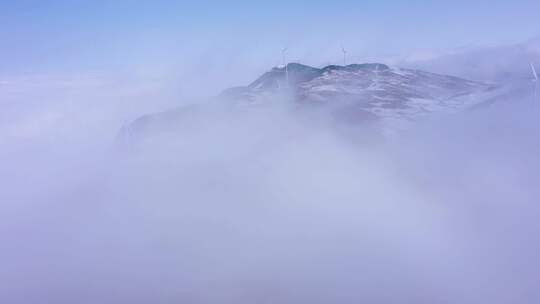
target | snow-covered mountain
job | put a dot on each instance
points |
(391, 99)
(361, 92)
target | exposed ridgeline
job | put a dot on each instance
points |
(391, 95)
(295, 74)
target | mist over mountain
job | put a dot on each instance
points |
(131, 174)
(507, 64)
(372, 95)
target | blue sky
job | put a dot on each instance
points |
(159, 36)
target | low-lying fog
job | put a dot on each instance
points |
(262, 205)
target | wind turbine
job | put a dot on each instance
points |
(344, 55)
(283, 53)
(535, 80)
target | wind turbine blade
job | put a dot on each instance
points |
(534, 72)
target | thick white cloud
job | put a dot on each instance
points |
(267, 204)
(499, 64)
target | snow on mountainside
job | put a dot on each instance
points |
(392, 96)
(390, 99)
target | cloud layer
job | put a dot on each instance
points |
(264, 204)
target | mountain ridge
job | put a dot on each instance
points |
(372, 90)
(391, 98)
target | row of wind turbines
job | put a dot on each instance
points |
(284, 53)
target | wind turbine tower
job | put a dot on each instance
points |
(535, 80)
(344, 55)
(285, 65)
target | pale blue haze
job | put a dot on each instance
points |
(161, 36)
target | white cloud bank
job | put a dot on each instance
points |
(263, 205)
